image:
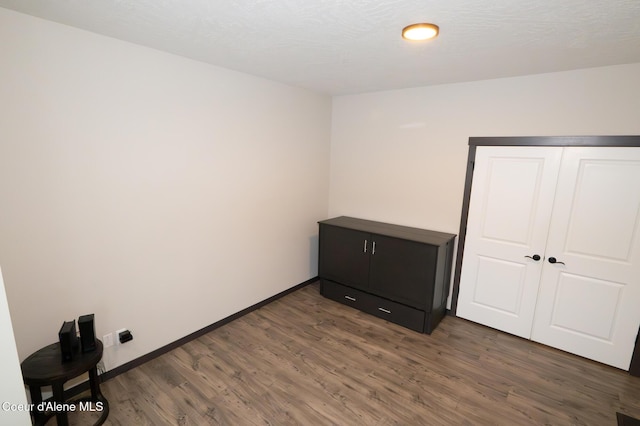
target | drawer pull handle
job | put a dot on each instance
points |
(386, 311)
(373, 250)
(365, 246)
(353, 299)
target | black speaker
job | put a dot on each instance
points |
(68, 340)
(87, 333)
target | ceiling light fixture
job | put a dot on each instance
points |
(419, 32)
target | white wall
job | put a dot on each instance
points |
(12, 394)
(159, 193)
(400, 156)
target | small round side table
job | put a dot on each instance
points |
(45, 368)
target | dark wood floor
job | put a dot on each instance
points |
(310, 361)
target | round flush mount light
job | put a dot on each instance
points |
(419, 32)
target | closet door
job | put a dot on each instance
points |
(589, 299)
(509, 213)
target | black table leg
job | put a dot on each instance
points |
(58, 396)
(36, 399)
(94, 383)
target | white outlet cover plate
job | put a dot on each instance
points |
(107, 340)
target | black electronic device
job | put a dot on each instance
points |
(68, 340)
(87, 333)
(124, 336)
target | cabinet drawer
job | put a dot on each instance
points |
(378, 306)
(395, 312)
(343, 294)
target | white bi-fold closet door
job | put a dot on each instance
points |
(552, 251)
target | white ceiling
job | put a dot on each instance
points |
(352, 46)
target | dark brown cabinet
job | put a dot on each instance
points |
(394, 272)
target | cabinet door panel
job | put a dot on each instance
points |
(403, 271)
(344, 255)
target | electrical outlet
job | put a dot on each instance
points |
(107, 340)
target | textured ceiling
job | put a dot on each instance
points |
(352, 46)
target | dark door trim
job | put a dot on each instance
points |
(610, 141)
(634, 368)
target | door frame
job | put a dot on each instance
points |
(561, 141)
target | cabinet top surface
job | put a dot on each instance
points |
(397, 231)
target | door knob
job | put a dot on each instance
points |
(554, 260)
(535, 257)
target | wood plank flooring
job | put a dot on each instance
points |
(305, 360)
